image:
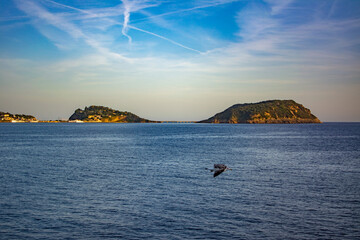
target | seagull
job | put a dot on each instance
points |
(218, 169)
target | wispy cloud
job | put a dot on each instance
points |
(39, 14)
(261, 31)
(127, 8)
(265, 40)
(200, 5)
(277, 6)
(12, 18)
(166, 39)
(261, 49)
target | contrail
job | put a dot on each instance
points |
(73, 8)
(166, 39)
(126, 19)
(122, 24)
(37, 11)
(188, 9)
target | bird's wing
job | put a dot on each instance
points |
(221, 166)
(218, 172)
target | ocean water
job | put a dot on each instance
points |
(148, 181)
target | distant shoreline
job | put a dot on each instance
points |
(173, 122)
(265, 112)
(167, 122)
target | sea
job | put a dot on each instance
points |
(149, 181)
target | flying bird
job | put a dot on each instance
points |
(218, 169)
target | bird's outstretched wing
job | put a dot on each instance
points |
(218, 172)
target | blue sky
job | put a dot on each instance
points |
(179, 60)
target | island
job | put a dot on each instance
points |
(272, 111)
(9, 117)
(105, 114)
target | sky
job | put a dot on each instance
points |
(179, 60)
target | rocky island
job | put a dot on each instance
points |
(272, 111)
(105, 114)
(8, 117)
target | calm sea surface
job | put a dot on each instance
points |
(148, 181)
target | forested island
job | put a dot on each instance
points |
(272, 111)
(105, 114)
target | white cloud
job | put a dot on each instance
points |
(127, 7)
(127, 10)
(274, 55)
(277, 6)
(40, 15)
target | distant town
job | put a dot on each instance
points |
(8, 117)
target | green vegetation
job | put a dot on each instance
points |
(273, 111)
(8, 117)
(105, 114)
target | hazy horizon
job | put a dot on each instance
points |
(179, 60)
